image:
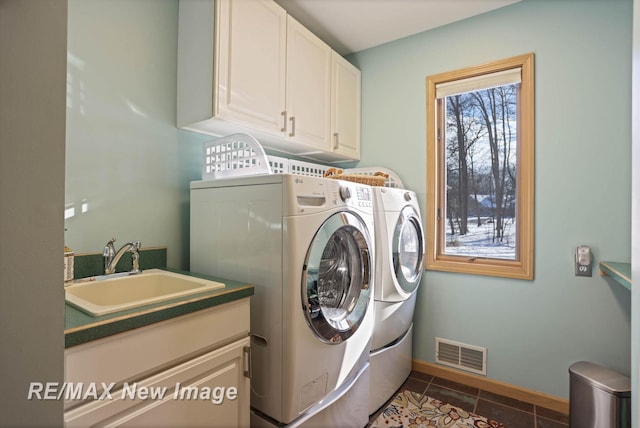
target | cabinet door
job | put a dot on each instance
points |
(195, 393)
(251, 63)
(308, 88)
(345, 108)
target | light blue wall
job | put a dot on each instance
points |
(125, 158)
(534, 330)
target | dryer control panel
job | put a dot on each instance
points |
(364, 196)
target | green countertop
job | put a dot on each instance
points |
(81, 327)
(621, 272)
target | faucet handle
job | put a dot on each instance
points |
(109, 249)
(108, 253)
(135, 257)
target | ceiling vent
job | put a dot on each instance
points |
(461, 356)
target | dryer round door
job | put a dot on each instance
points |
(408, 249)
(337, 278)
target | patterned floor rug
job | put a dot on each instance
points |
(413, 410)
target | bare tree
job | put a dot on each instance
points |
(496, 107)
(456, 115)
(463, 132)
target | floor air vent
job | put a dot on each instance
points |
(461, 356)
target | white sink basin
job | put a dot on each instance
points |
(113, 294)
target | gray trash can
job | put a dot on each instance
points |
(598, 397)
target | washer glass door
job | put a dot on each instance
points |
(336, 278)
(408, 249)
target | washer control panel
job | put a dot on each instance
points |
(353, 195)
(315, 194)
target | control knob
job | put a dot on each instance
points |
(345, 193)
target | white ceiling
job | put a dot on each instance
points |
(353, 25)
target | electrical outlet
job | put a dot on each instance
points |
(583, 261)
(582, 270)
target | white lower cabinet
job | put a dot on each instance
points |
(208, 388)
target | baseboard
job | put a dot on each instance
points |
(519, 393)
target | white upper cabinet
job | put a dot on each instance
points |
(308, 88)
(247, 66)
(345, 108)
(251, 63)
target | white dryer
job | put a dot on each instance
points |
(400, 251)
(306, 244)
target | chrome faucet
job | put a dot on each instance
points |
(112, 257)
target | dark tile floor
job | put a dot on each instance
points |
(510, 412)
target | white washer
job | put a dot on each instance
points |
(306, 244)
(400, 250)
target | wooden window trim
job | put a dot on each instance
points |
(523, 266)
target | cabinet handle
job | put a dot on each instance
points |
(337, 141)
(293, 126)
(284, 122)
(247, 361)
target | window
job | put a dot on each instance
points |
(480, 169)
